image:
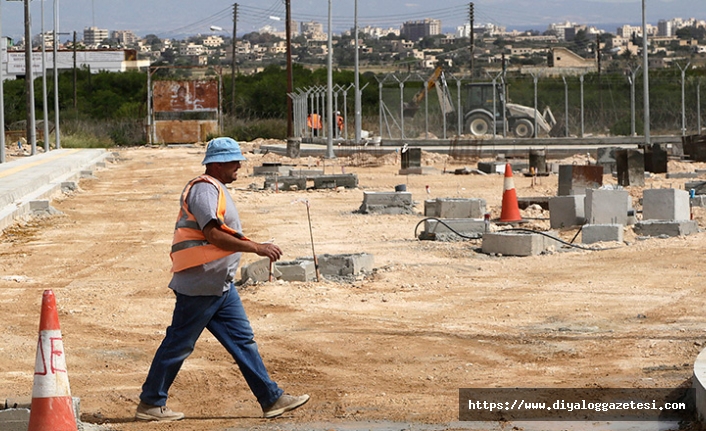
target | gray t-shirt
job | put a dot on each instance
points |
(212, 278)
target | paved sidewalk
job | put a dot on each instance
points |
(38, 177)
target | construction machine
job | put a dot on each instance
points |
(486, 107)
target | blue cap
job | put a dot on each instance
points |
(223, 150)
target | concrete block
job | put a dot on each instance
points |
(606, 158)
(345, 264)
(665, 204)
(455, 208)
(566, 211)
(591, 233)
(513, 243)
(386, 203)
(69, 186)
(411, 158)
(465, 226)
(86, 174)
(575, 179)
(40, 205)
(297, 270)
(258, 271)
(606, 206)
(14, 419)
(631, 167)
(698, 201)
(306, 173)
(271, 169)
(492, 167)
(666, 228)
(286, 183)
(419, 170)
(349, 181)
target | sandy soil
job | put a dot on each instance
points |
(396, 345)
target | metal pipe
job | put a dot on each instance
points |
(45, 108)
(57, 134)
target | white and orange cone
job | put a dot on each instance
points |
(510, 210)
(52, 407)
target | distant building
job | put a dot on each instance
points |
(415, 30)
(93, 35)
(313, 30)
(124, 37)
(664, 28)
(213, 41)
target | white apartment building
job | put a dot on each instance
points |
(191, 49)
(94, 35)
(213, 41)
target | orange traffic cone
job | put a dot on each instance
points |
(52, 407)
(510, 211)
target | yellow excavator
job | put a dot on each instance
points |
(411, 107)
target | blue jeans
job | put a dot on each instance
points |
(224, 316)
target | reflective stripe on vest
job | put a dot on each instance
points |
(190, 247)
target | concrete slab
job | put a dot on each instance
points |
(666, 228)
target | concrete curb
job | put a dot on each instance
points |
(45, 179)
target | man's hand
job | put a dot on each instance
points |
(269, 250)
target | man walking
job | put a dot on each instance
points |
(206, 252)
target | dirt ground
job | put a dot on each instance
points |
(395, 345)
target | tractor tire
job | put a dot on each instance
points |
(523, 128)
(478, 125)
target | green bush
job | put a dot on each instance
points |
(248, 130)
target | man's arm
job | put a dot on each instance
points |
(226, 241)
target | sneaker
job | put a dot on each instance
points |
(146, 412)
(284, 404)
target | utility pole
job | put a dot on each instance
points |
(471, 35)
(358, 118)
(29, 84)
(75, 76)
(290, 79)
(645, 77)
(232, 66)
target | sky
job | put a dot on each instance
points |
(177, 18)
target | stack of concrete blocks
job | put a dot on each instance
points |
(349, 181)
(666, 212)
(606, 212)
(464, 216)
(518, 243)
(387, 203)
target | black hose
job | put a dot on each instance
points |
(447, 226)
(570, 244)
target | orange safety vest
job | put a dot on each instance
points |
(189, 246)
(314, 121)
